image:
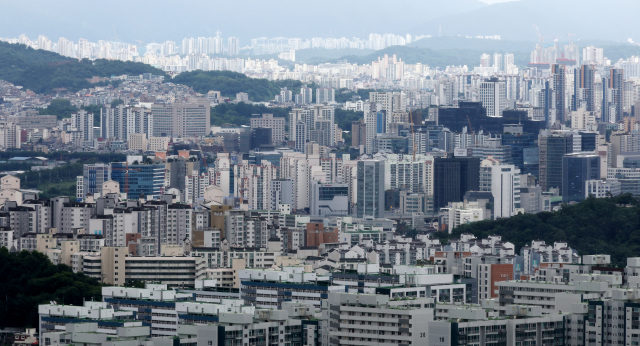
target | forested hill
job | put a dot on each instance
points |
(593, 226)
(230, 83)
(42, 71)
(28, 279)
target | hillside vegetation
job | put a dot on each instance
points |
(593, 226)
(28, 279)
(241, 113)
(230, 83)
(43, 72)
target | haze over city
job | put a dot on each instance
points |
(461, 172)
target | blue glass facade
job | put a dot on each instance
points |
(147, 180)
(94, 175)
(517, 144)
(381, 122)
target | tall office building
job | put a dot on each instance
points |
(493, 96)
(370, 189)
(616, 85)
(559, 86)
(183, 119)
(584, 88)
(553, 146)
(503, 181)
(576, 170)
(452, 178)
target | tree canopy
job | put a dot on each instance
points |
(28, 279)
(241, 113)
(593, 226)
(62, 108)
(43, 72)
(230, 83)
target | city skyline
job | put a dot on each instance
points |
(427, 173)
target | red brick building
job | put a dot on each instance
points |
(317, 234)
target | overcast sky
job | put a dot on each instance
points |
(144, 21)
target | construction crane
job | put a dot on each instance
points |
(538, 33)
(126, 170)
(471, 130)
(540, 37)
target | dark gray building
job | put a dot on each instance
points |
(370, 195)
(553, 146)
(453, 177)
(576, 170)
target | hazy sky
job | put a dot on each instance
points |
(144, 21)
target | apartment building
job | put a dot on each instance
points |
(270, 288)
(372, 319)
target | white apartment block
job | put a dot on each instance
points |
(179, 218)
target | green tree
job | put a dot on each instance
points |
(50, 73)
(230, 83)
(241, 113)
(116, 102)
(28, 279)
(593, 226)
(61, 108)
